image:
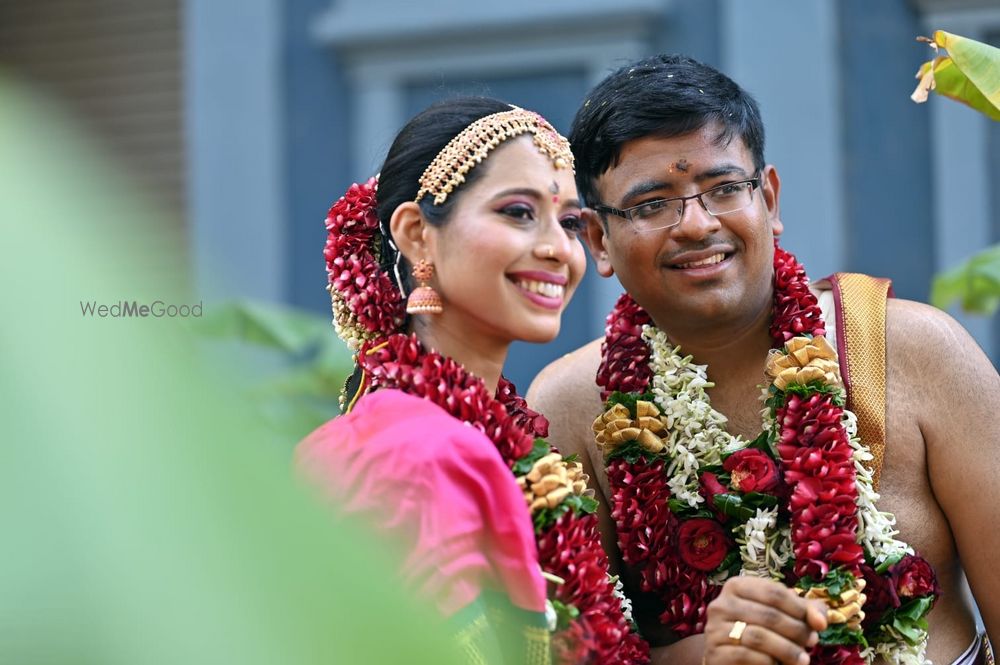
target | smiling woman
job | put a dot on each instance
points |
(476, 200)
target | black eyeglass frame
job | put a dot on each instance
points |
(627, 212)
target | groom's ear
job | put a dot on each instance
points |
(770, 185)
(596, 238)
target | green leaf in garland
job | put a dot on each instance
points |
(839, 633)
(757, 500)
(588, 505)
(775, 399)
(546, 517)
(912, 630)
(907, 622)
(677, 506)
(762, 443)
(630, 451)
(817, 386)
(742, 507)
(720, 473)
(628, 400)
(577, 503)
(835, 582)
(539, 450)
(916, 609)
(565, 614)
(884, 567)
(731, 505)
(731, 564)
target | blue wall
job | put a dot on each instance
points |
(887, 153)
(316, 131)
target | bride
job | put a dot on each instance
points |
(466, 242)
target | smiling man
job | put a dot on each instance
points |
(684, 210)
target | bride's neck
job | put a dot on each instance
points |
(481, 356)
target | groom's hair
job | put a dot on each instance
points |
(663, 96)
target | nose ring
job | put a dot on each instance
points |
(548, 250)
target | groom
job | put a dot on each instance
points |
(701, 265)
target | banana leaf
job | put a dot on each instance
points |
(969, 74)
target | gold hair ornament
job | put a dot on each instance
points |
(471, 146)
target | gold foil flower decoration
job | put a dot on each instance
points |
(846, 608)
(806, 359)
(551, 480)
(616, 426)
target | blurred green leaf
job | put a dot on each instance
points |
(975, 284)
(145, 518)
(969, 74)
(310, 380)
(312, 362)
(268, 325)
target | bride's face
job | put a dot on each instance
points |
(509, 257)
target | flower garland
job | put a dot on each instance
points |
(591, 624)
(366, 305)
(694, 505)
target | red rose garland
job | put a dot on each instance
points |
(683, 559)
(368, 313)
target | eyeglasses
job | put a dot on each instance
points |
(664, 213)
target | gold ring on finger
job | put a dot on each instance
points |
(736, 634)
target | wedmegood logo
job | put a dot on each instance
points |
(132, 308)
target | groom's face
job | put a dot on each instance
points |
(706, 268)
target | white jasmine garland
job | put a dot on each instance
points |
(624, 600)
(761, 548)
(697, 434)
(754, 541)
(877, 527)
(780, 551)
(899, 652)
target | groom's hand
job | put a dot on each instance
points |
(779, 626)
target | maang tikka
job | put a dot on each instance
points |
(424, 299)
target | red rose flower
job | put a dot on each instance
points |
(881, 593)
(703, 543)
(913, 577)
(751, 470)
